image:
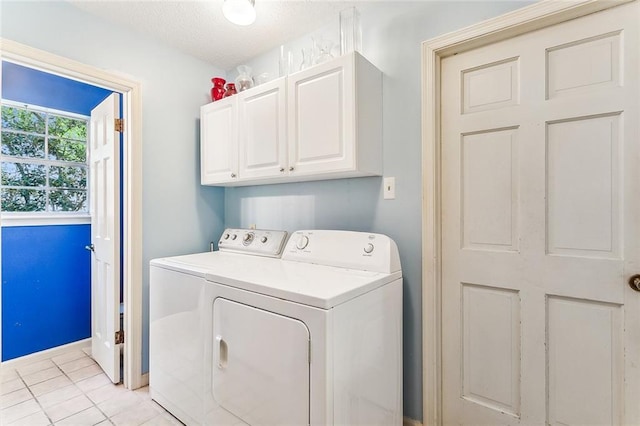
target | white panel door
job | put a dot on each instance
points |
(321, 118)
(219, 141)
(104, 157)
(263, 130)
(261, 365)
(540, 226)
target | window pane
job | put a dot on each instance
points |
(68, 128)
(68, 177)
(62, 200)
(23, 174)
(21, 119)
(20, 145)
(23, 200)
(30, 137)
(67, 150)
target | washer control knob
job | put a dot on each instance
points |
(234, 236)
(369, 248)
(263, 240)
(226, 236)
(248, 237)
(302, 242)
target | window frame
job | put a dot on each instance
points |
(34, 218)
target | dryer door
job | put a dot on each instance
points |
(261, 364)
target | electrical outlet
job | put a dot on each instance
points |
(389, 188)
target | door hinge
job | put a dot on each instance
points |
(119, 125)
(119, 337)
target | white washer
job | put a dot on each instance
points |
(312, 338)
(179, 317)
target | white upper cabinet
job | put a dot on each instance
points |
(262, 130)
(324, 122)
(321, 124)
(219, 142)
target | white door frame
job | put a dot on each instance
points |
(132, 186)
(527, 19)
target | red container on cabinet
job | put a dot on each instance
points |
(231, 90)
(217, 91)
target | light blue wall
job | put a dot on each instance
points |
(392, 34)
(179, 215)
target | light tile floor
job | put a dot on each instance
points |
(70, 389)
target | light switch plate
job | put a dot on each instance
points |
(389, 188)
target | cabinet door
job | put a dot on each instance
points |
(321, 114)
(262, 127)
(261, 365)
(219, 142)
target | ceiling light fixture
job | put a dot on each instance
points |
(239, 12)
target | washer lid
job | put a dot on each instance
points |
(193, 264)
(310, 284)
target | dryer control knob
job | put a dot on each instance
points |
(369, 248)
(226, 236)
(263, 239)
(302, 242)
(234, 236)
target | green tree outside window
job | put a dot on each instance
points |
(43, 161)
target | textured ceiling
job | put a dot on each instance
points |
(199, 29)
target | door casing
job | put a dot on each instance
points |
(521, 21)
(132, 186)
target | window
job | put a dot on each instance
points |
(43, 160)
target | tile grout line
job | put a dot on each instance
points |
(33, 395)
(58, 365)
(82, 391)
(73, 383)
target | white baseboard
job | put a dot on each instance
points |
(144, 380)
(406, 421)
(46, 354)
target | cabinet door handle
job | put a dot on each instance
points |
(233, 175)
(291, 168)
(281, 169)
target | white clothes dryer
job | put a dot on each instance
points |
(312, 338)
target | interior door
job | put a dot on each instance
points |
(261, 365)
(105, 224)
(540, 228)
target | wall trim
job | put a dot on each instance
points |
(536, 16)
(132, 188)
(44, 220)
(80, 345)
